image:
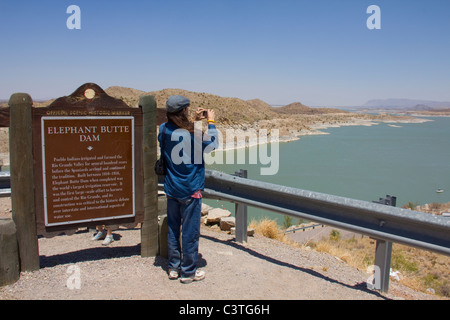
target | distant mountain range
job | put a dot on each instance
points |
(409, 104)
(131, 96)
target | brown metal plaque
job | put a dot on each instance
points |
(88, 168)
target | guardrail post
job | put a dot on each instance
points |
(383, 252)
(241, 215)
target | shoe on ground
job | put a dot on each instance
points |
(174, 274)
(108, 240)
(100, 235)
(199, 275)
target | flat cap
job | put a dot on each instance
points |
(177, 103)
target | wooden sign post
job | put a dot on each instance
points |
(149, 231)
(85, 160)
(22, 173)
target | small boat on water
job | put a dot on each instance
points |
(439, 190)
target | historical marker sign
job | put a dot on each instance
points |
(88, 162)
(88, 169)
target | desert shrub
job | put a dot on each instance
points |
(287, 222)
(335, 235)
(266, 227)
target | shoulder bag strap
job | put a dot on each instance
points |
(163, 139)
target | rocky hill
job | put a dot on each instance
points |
(299, 108)
(241, 114)
(228, 110)
(291, 120)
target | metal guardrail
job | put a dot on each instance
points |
(294, 230)
(383, 222)
(5, 193)
(5, 184)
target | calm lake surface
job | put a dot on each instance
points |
(410, 161)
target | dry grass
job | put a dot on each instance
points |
(270, 229)
(355, 252)
(419, 269)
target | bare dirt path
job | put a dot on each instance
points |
(262, 269)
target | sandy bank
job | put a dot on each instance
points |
(246, 140)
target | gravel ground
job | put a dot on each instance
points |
(262, 269)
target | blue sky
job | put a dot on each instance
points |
(320, 52)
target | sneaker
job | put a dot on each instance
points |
(100, 235)
(199, 275)
(108, 240)
(174, 274)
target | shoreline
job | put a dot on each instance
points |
(308, 130)
(315, 129)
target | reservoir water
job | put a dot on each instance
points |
(407, 160)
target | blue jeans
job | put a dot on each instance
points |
(183, 214)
